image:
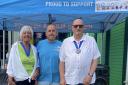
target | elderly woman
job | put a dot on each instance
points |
(22, 66)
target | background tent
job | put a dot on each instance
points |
(38, 13)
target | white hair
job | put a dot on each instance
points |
(26, 28)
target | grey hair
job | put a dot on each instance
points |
(26, 28)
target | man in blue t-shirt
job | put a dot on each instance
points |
(48, 51)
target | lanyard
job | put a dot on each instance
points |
(78, 45)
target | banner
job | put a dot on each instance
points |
(85, 6)
(111, 5)
(69, 6)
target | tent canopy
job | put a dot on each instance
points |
(38, 13)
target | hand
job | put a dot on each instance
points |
(87, 80)
(11, 82)
(62, 82)
(35, 74)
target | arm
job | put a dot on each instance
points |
(62, 65)
(96, 55)
(11, 80)
(36, 74)
(62, 70)
(93, 67)
(37, 70)
(88, 78)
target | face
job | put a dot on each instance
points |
(51, 33)
(77, 27)
(26, 36)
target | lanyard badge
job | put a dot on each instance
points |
(78, 50)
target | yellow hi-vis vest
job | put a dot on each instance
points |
(28, 62)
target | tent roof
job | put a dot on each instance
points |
(16, 13)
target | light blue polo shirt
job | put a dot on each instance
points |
(48, 53)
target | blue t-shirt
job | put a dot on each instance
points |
(48, 53)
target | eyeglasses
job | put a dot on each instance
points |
(76, 26)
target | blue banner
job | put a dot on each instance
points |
(69, 6)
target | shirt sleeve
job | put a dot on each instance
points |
(10, 63)
(37, 57)
(38, 64)
(37, 54)
(96, 52)
(62, 53)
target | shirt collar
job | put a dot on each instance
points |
(51, 41)
(83, 38)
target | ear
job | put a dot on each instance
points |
(56, 34)
(72, 29)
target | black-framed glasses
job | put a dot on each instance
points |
(76, 26)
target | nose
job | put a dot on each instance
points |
(78, 28)
(26, 34)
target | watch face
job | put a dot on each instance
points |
(90, 74)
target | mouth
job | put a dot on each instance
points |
(51, 35)
(79, 30)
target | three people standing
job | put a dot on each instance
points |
(72, 64)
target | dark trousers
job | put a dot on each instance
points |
(25, 82)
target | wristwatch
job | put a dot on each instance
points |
(90, 74)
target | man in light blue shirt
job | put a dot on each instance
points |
(48, 51)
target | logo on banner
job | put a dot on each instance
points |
(111, 5)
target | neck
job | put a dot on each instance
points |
(26, 44)
(51, 41)
(78, 37)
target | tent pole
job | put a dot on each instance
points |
(102, 41)
(50, 19)
(3, 49)
(9, 40)
(4, 22)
